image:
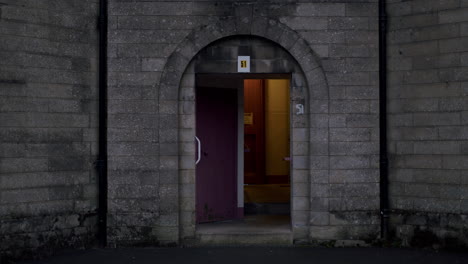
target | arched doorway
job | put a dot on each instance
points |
(177, 88)
(214, 69)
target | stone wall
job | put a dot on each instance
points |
(48, 190)
(428, 126)
(146, 121)
(267, 57)
(48, 120)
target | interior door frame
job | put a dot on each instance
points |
(204, 79)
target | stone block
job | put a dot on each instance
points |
(170, 220)
(436, 32)
(166, 235)
(361, 120)
(319, 219)
(319, 134)
(187, 176)
(349, 148)
(127, 120)
(399, 8)
(299, 190)
(320, 9)
(23, 165)
(168, 162)
(349, 162)
(453, 132)
(134, 78)
(319, 162)
(319, 204)
(361, 9)
(149, 8)
(72, 192)
(187, 108)
(300, 134)
(153, 64)
(453, 16)
(318, 120)
(350, 134)
(300, 162)
(348, 23)
(318, 106)
(354, 203)
(337, 92)
(319, 190)
(168, 135)
(25, 195)
(133, 148)
(337, 120)
(436, 119)
(349, 106)
(419, 161)
(354, 176)
(319, 176)
(353, 190)
(305, 23)
(437, 205)
(349, 50)
(326, 232)
(168, 121)
(187, 121)
(187, 162)
(149, 50)
(131, 134)
(43, 179)
(318, 148)
(437, 147)
(187, 135)
(299, 148)
(354, 218)
(131, 162)
(169, 149)
(300, 203)
(455, 162)
(452, 192)
(300, 218)
(324, 36)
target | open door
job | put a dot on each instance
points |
(266, 147)
(216, 169)
(254, 132)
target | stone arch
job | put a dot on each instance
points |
(176, 147)
(258, 26)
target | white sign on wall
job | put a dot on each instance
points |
(243, 64)
(300, 109)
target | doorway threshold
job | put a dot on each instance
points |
(266, 230)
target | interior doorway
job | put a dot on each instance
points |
(242, 151)
(266, 147)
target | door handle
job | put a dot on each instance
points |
(199, 150)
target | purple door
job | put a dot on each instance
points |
(216, 172)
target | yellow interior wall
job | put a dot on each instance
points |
(276, 127)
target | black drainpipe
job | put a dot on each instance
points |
(384, 208)
(101, 163)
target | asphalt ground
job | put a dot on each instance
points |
(257, 255)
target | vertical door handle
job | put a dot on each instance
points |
(199, 150)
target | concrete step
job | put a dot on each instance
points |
(265, 230)
(251, 239)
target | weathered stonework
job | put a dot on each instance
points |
(337, 71)
(428, 130)
(48, 119)
(220, 57)
(48, 126)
